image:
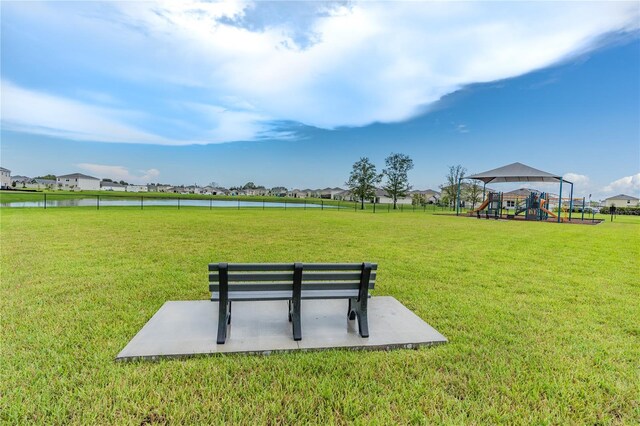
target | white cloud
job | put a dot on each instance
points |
(629, 185)
(577, 179)
(120, 173)
(374, 61)
(368, 62)
(41, 113)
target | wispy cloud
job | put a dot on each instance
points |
(120, 173)
(628, 184)
(41, 113)
(350, 64)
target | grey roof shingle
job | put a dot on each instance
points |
(515, 172)
(77, 176)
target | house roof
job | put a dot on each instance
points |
(2, 169)
(77, 176)
(19, 178)
(45, 181)
(516, 172)
(114, 184)
(622, 196)
(521, 192)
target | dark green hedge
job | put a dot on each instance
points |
(622, 210)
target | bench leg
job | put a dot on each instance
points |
(289, 310)
(295, 319)
(351, 313)
(363, 321)
(224, 318)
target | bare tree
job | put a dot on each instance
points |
(363, 179)
(398, 166)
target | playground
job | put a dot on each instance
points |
(532, 205)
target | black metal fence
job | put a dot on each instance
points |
(46, 200)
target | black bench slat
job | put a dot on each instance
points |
(276, 267)
(289, 286)
(286, 295)
(285, 276)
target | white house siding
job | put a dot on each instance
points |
(137, 188)
(78, 184)
(627, 201)
(5, 178)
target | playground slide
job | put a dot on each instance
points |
(484, 204)
(547, 211)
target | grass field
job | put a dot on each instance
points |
(542, 319)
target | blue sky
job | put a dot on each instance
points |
(292, 93)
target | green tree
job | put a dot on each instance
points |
(396, 172)
(249, 185)
(363, 179)
(49, 177)
(474, 193)
(450, 188)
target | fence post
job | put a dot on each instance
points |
(97, 202)
(355, 206)
(374, 206)
(141, 202)
(305, 204)
(263, 204)
(178, 203)
(210, 203)
(285, 204)
(45, 200)
(321, 205)
(401, 208)
(238, 203)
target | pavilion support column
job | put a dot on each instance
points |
(560, 202)
(484, 190)
(571, 202)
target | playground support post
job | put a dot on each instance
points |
(458, 198)
(484, 190)
(560, 202)
(571, 202)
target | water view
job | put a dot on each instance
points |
(149, 202)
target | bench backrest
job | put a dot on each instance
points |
(280, 276)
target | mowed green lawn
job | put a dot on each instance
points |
(542, 319)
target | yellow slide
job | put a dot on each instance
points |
(550, 213)
(482, 206)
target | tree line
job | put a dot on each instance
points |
(364, 178)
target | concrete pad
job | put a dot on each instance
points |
(188, 328)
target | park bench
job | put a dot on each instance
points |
(235, 282)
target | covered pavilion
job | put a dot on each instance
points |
(516, 172)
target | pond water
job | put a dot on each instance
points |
(148, 202)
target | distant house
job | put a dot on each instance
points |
(382, 197)
(41, 184)
(112, 186)
(20, 181)
(296, 193)
(511, 198)
(5, 178)
(158, 188)
(622, 200)
(329, 193)
(137, 188)
(278, 191)
(428, 196)
(78, 182)
(344, 195)
(259, 191)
